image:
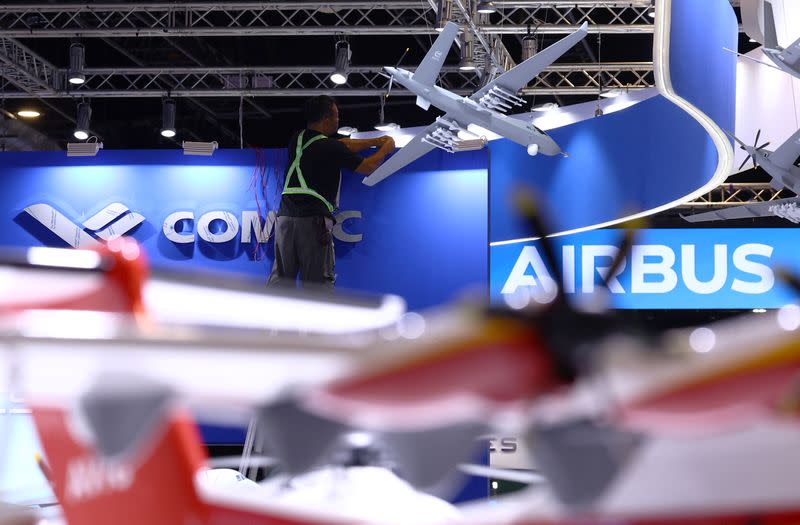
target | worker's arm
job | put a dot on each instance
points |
(359, 145)
(372, 162)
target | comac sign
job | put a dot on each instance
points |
(216, 227)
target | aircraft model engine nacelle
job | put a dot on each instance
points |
(533, 150)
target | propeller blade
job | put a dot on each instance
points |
(755, 165)
(389, 90)
(763, 146)
(734, 137)
(402, 56)
(789, 278)
(528, 208)
(624, 248)
(743, 163)
(758, 136)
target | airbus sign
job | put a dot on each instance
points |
(216, 227)
(688, 268)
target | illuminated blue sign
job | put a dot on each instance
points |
(665, 269)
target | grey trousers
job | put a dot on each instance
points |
(304, 249)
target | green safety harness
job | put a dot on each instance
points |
(303, 189)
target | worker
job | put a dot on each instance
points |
(304, 224)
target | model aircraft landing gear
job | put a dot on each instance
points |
(533, 150)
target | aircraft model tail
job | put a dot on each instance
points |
(428, 70)
(155, 485)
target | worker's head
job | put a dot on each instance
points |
(322, 114)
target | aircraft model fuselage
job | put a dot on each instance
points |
(463, 111)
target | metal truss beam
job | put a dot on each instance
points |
(299, 18)
(735, 194)
(561, 79)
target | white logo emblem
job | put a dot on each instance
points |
(112, 222)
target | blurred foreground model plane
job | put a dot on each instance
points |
(696, 426)
(781, 167)
(485, 109)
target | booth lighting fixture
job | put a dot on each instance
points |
(342, 63)
(168, 118)
(77, 59)
(611, 93)
(28, 113)
(199, 148)
(486, 7)
(759, 310)
(84, 118)
(467, 63)
(547, 106)
(346, 131)
(83, 149)
(753, 41)
(652, 11)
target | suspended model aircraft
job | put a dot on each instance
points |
(780, 165)
(787, 59)
(485, 108)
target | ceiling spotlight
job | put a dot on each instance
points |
(28, 113)
(83, 149)
(77, 59)
(168, 118)
(486, 7)
(547, 106)
(342, 64)
(346, 131)
(467, 63)
(84, 118)
(199, 148)
(528, 47)
(610, 93)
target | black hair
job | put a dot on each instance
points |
(319, 107)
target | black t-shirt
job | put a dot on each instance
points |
(320, 164)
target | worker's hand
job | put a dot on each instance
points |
(388, 140)
(380, 141)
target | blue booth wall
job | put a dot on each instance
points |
(638, 159)
(423, 232)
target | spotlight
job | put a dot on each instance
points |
(486, 7)
(467, 63)
(342, 63)
(199, 148)
(168, 118)
(84, 118)
(346, 131)
(77, 58)
(83, 149)
(28, 113)
(652, 11)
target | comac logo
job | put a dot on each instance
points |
(216, 227)
(113, 221)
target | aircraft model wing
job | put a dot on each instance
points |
(518, 77)
(786, 155)
(745, 211)
(404, 156)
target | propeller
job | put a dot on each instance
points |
(751, 151)
(391, 78)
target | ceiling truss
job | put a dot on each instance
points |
(45, 20)
(561, 79)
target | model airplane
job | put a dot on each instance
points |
(486, 108)
(780, 165)
(619, 422)
(787, 59)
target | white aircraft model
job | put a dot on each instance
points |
(485, 108)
